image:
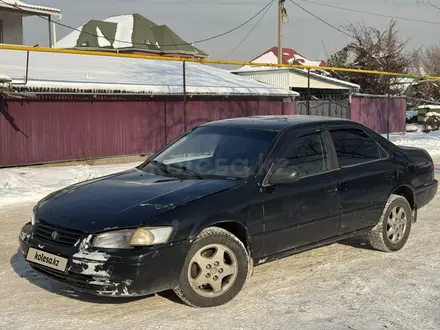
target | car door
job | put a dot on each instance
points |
(367, 176)
(308, 210)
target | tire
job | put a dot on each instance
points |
(382, 237)
(204, 265)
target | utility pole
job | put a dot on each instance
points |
(283, 18)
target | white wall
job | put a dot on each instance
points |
(12, 27)
(285, 79)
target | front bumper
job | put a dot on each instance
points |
(133, 272)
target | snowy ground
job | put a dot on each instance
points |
(341, 286)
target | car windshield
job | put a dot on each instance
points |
(214, 151)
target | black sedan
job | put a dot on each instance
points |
(228, 195)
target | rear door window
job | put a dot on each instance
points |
(354, 146)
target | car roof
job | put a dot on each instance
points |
(275, 122)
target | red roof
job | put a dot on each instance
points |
(289, 55)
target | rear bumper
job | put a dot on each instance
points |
(426, 194)
(135, 272)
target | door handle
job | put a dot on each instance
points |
(331, 190)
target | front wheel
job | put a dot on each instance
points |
(392, 231)
(215, 269)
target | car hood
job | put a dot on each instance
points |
(122, 200)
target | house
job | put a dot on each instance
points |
(11, 20)
(309, 85)
(75, 107)
(290, 56)
(312, 84)
(129, 34)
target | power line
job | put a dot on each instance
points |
(320, 19)
(142, 44)
(247, 36)
(370, 13)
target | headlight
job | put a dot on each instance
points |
(128, 238)
(34, 219)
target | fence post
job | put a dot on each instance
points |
(308, 91)
(184, 96)
(165, 122)
(27, 68)
(388, 107)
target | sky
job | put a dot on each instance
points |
(199, 19)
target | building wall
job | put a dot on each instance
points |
(50, 131)
(12, 24)
(279, 79)
(291, 80)
(301, 81)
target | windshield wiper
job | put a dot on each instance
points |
(166, 168)
(162, 166)
(186, 170)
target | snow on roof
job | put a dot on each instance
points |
(290, 56)
(57, 72)
(124, 30)
(4, 78)
(256, 69)
(14, 4)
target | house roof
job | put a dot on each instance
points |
(128, 32)
(303, 72)
(29, 8)
(290, 56)
(73, 73)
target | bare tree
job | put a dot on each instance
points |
(430, 60)
(426, 64)
(373, 49)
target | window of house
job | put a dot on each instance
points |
(307, 155)
(354, 146)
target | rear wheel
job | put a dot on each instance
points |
(215, 269)
(392, 231)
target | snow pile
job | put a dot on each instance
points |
(432, 120)
(29, 184)
(412, 128)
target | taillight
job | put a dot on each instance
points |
(432, 166)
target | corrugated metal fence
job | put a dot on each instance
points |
(58, 130)
(49, 131)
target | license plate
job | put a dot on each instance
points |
(47, 259)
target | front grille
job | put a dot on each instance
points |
(64, 237)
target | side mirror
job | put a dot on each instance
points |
(284, 176)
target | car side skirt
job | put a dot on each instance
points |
(304, 248)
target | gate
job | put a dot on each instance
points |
(327, 108)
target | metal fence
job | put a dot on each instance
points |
(328, 108)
